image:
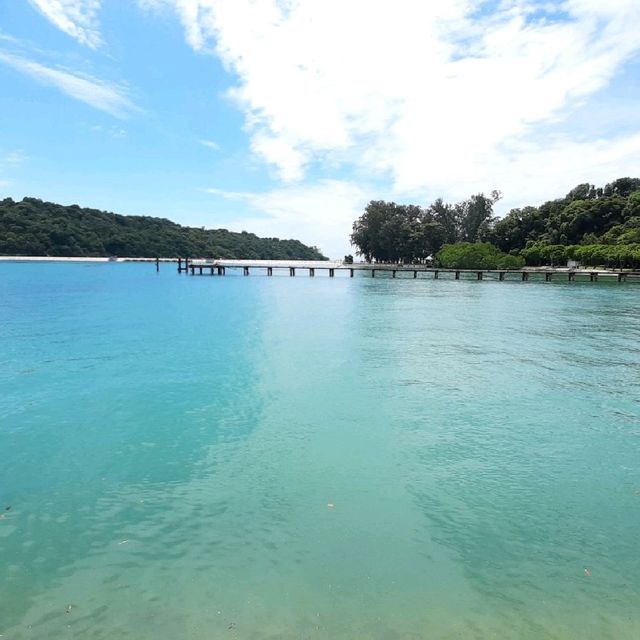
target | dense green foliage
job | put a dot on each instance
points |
(590, 255)
(595, 226)
(388, 232)
(36, 228)
(476, 255)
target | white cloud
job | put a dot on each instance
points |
(99, 94)
(7, 38)
(13, 159)
(10, 161)
(210, 144)
(76, 18)
(317, 214)
(549, 169)
(441, 97)
(114, 131)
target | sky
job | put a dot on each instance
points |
(285, 117)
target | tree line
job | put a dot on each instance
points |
(596, 226)
(390, 232)
(32, 227)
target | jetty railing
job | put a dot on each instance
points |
(219, 267)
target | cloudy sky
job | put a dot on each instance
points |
(285, 117)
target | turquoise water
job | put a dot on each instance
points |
(170, 446)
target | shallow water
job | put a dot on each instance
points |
(170, 446)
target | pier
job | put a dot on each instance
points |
(294, 267)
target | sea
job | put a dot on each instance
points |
(186, 457)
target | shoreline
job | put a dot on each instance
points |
(303, 264)
(79, 259)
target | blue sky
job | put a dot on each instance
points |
(284, 117)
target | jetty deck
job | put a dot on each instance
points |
(303, 267)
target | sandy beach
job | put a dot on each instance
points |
(80, 259)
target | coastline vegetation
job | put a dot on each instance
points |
(32, 227)
(477, 255)
(594, 226)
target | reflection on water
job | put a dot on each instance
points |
(171, 456)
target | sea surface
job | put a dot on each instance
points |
(290, 458)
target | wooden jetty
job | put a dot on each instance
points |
(267, 267)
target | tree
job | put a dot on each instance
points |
(476, 255)
(517, 228)
(446, 216)
(475, 216)
(387, 232)
(622, 187)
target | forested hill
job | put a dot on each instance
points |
(593, 225)
(586, 215)
(36, 228)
